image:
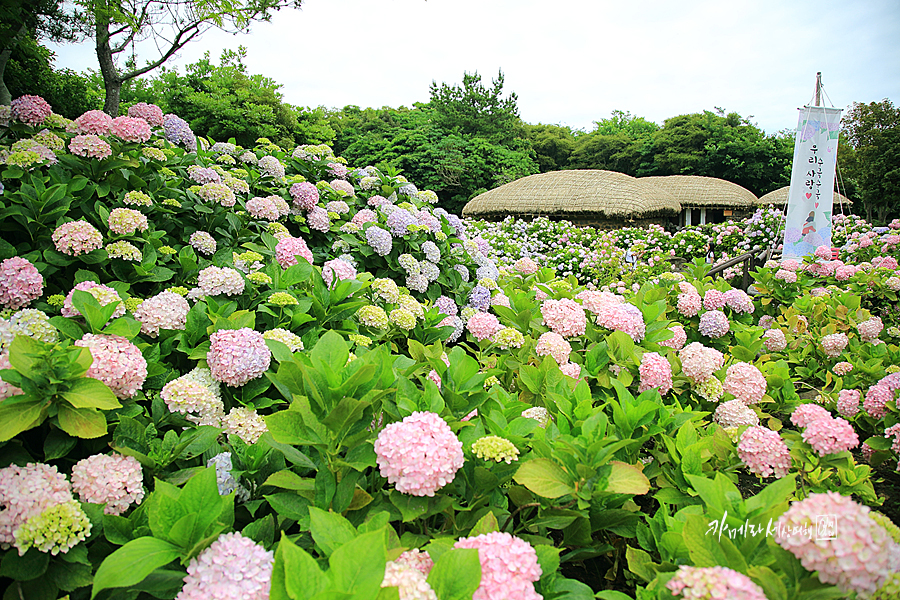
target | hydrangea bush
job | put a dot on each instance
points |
(266, 373)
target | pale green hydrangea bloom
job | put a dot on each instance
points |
(492, 447)
(57, 529)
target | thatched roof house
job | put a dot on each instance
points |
(595, 197)
(705, 199)
(780, 197)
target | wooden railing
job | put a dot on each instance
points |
(747, 258)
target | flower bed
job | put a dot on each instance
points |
(264, 373)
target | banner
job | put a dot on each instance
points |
(808, 223)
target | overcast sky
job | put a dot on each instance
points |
(574, 62)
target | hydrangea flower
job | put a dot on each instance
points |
(90, 146)
(508, 337)
(699, 362)
(526, 266)
(305, 195)
(232, 567)
(688, 304)
(764, 452)
(289, 248)
(483, 325)
(125, 221)
(419, 455)
(339, 267)
(774, 340)
(805, 414)
(131, 129)
(317, 218)
(509, 566)
(877, 397)
(25, 492)
(745, 382)
(31, 110)
(555, 345)
(148, 112)
(870, 329)
(225, 479)
(20, 283)
(412, 584)
(245, 423)
(538, 413)
(218, 193)
(710, 389)
(213, 281)
(373, 316)
(830, 435)
(565, 317)
(166, 310)
(289, 339)
(848, 403)
(679, 337)
(203, 243)
(270, 208)
(858, 558)
(492, 447)
(833, 344)
(713, 583)
(237, 356)
(655, 372)
(124, 250)
(117, 362)
(93, 122)
(57, 529)
(842, 368)
(197, 395)
(402, 318)
(77, 237)
(735, 413)
(178, 132)
(714, 323)
(114, 480)
(623, 317)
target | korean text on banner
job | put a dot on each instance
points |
(809, 211)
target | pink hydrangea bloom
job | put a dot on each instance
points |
(833, 344)
(858, 558)
(26, 492)
(745, 382)
(214, 281)
(233, 567)
(131, 129)
(317, 218)
(555, 345)
(203, 242)
(623, 317)
(419, 455)
(688, 305)
(305, 195)
(237, 356)
(842, 368)
(166, 310)
(831, 435)
(483, 325)
(823, 252)
(31, 110)
(714, 323)
(117, 362)
(805, 414)
(656, 372)
(125, 221)
(774, 340)
(870, 329)
(197, 395)
(565, 317)
(410, 582)
(892, 432)
(713, 583)
(735, 413)
(20, 283)
(713, 300)
(790, 264)
(364, 216)
(525, 266)
(573, 370)
(90, 146)
(77, 237)
(339, 267)
(764, 452)
(786, 276)
(678, 338)
(509, 566)
(339, 185)
(595, 301)
(267, 208)
(880, 394)
(102, 293)
(698, 362)
(114, 480)
(148, 112)
(739, 301)
(848, 403)
(94, 122)
(415, 558)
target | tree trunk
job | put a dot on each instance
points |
(112, 81)
(5, 96)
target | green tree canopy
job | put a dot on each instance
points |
(873, 132)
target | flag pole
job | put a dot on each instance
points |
(819, 88)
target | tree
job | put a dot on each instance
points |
(553, 145)
(473, 109)
(620, 143)
(117, 25)
(873, 131)
(21, 19)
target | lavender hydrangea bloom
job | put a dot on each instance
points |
(379, 239)
(399, 222)
(178, 131)
(480, 298)
(446, 306)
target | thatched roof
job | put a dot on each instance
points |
(573, 193)
(696, 191)
(780, 198)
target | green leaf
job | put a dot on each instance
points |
(31, 565)
(456, 574)
(132, 563)
(87, 423)
(331, 350)
(329, 530)
(769, 581)
(626, 479)
(486, 524)
(357, 567)
(127, 327)
(88, 392)
(302, 576)
(18, 414)
(545, 478)
(640, 563)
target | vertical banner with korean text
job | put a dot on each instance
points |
(808, 224)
